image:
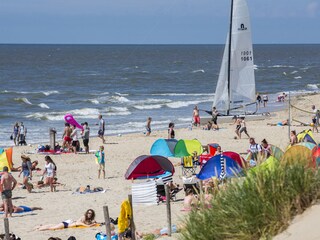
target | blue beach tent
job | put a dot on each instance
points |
(163, 147)
(212, 168)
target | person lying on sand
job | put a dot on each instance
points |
(19, 209)
(88, 220)
(282, 123)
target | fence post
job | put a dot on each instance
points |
(107, 221)
(132, 226)
(6, 228)
(167, 188)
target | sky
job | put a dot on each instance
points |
(153, 21)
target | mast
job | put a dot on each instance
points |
(229, 58)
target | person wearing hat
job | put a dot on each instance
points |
(26, 170)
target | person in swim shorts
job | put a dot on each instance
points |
(237, 121)
(148, 126)
(8, 183)
(85, 136)
(101, 161)
(66, 136)
(19, 209)
(196, 116)
(88, 220)
(101, 128)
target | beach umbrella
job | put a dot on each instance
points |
(185, 148)
(163, 147)
(217, 166)
(146, 166)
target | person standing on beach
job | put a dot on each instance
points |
(196, 116)
(259, 99)
(101, 128)
(22, 134)
(26, 170)
(66, 136)
(315, 118)
(148, 126)
(265, 100)
(254, 150)
(171, 133)
(215, 118)
(237, 121)
(50, 170)
(243, 128)
(101, 162)
(85, 136)
(15, 133)
(8, 183)
(75, 139)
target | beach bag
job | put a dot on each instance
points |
(103, 236)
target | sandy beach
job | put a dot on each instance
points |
(75, 170)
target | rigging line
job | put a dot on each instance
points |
(302, 110)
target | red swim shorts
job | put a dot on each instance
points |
(67, 139)
(196, 120)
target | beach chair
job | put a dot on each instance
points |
(161, 192)
(188, 166)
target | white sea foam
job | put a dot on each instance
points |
(43, 105)
(118, 113)
(25, 100)
(154, 106)
(47, 93)
(121, 94)
(281, 66)
(119, 99)
(294, 72)
(86, 112)
(298, 77)
(179, 104)
(313, 86)
(94, 101)
(182, 94)
(198, 70)
(116, 109)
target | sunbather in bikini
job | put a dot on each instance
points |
(88, 220)
(19, 209)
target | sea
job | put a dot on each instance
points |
(40, 84)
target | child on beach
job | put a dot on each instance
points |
(50, 169)
(101, 161)
(148, 126)
(26, 170)
(85, 136)
(171, 133)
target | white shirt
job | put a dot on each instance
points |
(74, 135)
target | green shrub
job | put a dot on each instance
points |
(258, 206)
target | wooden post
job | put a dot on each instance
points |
(132, 226)
(167, 188)
(6, 228)
(107, 221)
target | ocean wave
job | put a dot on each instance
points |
(154, 106)
(198, 70)
(294, 72)
(25, 100)
(121, 94)
(48, 93)
(117, 109)
(119, 99)
(85, 112)
(94, 101)
(298, 77)
(43, 105)
(118, 113)
(281, 66)
(179, 104)
(182, 94)
(313, 86)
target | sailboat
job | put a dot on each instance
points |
(236, 90)
(236, 83)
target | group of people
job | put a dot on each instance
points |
(19, 134)
(241, 126)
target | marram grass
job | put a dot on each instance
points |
(255, 207)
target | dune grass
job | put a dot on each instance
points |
(256, 207)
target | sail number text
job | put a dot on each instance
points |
(246, 56)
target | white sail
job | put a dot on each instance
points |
(242, 82)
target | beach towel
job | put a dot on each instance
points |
(86, 190)
(124, 216)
